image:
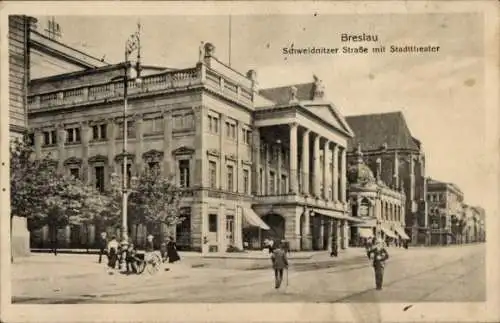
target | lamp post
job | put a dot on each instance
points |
(132, 44)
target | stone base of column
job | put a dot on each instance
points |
(306, 242)
(294, 242)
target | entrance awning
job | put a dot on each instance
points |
(388, 232)
(337, 215)
(401, 232)
(253, 219)
(365, 232)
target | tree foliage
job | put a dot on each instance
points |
(48, 197)
(154, 200)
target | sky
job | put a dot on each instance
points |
(441, 94)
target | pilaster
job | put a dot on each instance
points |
(343, 175)
(38, 143)
(222, 173)
(86, 133)
(112, 130)
(139, 146)
(222, 245)
(335, 175)
(61, 138)
(199, 158)
(256, 161)
(168, 166)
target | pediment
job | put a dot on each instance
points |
(98, 158)
(184, 150)
(72, 161)
(152, 154)
(120, 157)
(329, 114)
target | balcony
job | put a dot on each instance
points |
(299, 199)
(113, 90)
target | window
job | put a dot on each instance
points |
(263, 154)
(99, 132)
(72, 135)
(212, 223)
(75, 172)
(154, 167)
(212, 169)
(247, 136)
(283, 184)
(99, 178)
(246, 181)
(31, 139)
(213, 124)
(50, 137)
(272, 181)
(230, 178)
(183, 121)
(184, 173)
(130, 129)
(154, 125)
(230, 130)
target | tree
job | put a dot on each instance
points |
(47, 197)
(153, 201)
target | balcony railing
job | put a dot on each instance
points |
(157, 82)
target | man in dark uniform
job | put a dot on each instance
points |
(379, 255)
(280, 262)
(103, 245)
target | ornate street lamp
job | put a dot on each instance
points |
(130, 72)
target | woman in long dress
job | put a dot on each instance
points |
(172, 253)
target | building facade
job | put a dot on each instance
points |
(474, 224)
(252, 163)
(445, 211)
(380, 208)
(386, 140)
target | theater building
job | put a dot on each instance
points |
(386, 138)
(380, 209)
(253, 163)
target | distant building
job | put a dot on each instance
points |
(253, 163)
(386, 141)
(445, 210)
(380, 208)
(475, 224)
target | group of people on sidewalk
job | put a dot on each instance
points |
(125, 252)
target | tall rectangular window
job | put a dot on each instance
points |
(212, 169)
(154, 167)
(246, 181)
(212, 223)
(99, 178)
(154, 125)
(184, 173)
(272, 181)
(230, 178)
(50, 138)
(72, 135)
(75, 172)
(130, 129)
(283, 185)
(99, 132)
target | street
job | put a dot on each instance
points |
(438, 274)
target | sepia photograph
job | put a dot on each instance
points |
(245, 157)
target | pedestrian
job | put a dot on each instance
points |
(379, 255)
(270, 245)
(368, 247)
(280, 263)
(335, 248)
(163, 251)
(131, 259)
(103, 244)
(112, 252)
(172, 254)
(150, 247)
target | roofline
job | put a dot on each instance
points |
(67, 46)
(374, 114)
(78, 73)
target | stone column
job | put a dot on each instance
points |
(326, 184)
(277, 148)
(61, 138)
(306, 231)
(335, 175)
(345, 230)
(305, 162)
(85, 137)
(316, 165)
(168, 167)
(266, 171)
(112, 130)
(139, 146)
(321, 231)
(293, 158)
(343, 176)
(222, 245)
(38, 143)
(199, 180)
(204, 227)
(238, 228)
(222, 129)
(256, 181)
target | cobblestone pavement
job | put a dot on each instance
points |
(414, 275)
